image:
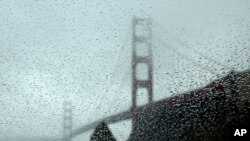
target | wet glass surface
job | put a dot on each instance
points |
(53, 51)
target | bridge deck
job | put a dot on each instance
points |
(214, 88)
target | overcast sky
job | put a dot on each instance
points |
(79, 51)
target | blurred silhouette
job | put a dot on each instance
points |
(210, 113)
(102, 133)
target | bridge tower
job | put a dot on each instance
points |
(67, 121)
(141, 56)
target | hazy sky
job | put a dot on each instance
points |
(56, 50)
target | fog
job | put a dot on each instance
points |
(53, 51)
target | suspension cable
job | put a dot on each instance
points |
(187, 58)
(194, 50)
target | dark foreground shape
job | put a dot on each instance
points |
(102, 133)
(212, 113)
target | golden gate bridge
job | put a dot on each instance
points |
(142, 57)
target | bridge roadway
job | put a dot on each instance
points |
(216, 87)
(147, 108)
